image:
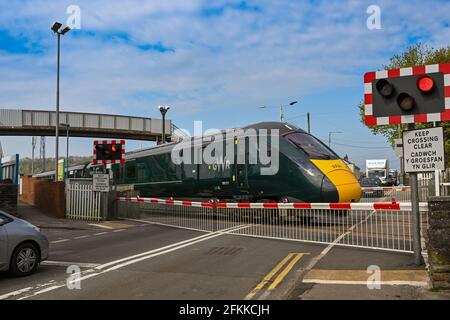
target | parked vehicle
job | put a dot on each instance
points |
(380, 169)
(22, 246)
(367, 184)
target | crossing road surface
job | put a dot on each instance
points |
(131, 260)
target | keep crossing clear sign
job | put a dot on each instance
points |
(424, 150)
(101, 182)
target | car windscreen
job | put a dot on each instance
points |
(314, 148)
(376, 173)
(370, 182)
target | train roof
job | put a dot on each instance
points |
(284, 128)
(79, 166)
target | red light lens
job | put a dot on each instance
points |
(113, 148)
(425, 84)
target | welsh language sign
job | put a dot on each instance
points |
(424, 150)
(101, 182)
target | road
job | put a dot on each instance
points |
(136, 260)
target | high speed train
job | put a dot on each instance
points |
(309, 171)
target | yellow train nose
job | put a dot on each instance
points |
(346, 184)
(342, 178)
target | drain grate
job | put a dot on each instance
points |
(225, 251)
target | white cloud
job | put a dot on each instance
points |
(221, 63)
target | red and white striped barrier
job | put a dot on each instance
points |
(423, 206)
(407, 188)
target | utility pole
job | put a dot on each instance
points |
(67, 126)
(309, 122)
(33, 145)
(57, 111)
(59, 29)
(163, 110)
(42, 153)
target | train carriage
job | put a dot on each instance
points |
(308, 171)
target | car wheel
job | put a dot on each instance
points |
(24, 260)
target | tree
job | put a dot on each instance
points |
(415, 55)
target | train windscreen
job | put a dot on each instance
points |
(311, 146)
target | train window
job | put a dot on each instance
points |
(141, 172)
(314, 148)
(117, 173)
(131, 172)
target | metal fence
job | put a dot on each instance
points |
(398, 194)
(82, 203)
(376, 226)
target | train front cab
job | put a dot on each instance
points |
(338, 181)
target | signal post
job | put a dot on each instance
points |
(408, 96)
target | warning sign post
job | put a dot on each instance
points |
(423, 150)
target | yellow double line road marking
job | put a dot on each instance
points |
(293, 257)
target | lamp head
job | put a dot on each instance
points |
(56, 26)
(64, 29)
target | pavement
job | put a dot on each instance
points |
(125, 259)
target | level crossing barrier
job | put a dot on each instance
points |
(383, 226)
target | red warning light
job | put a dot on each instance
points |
(425, 84)
(114, 148)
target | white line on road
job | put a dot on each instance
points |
(100, 233)
(118, 230)
(15, 293)
(98, 270)
(386, 283)
(59, 241)
(67, 264)
(100, 226)
(81, 237)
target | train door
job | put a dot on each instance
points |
(241, 162)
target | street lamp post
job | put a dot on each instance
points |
(281, 109)
(329, 137)
(59, 29)
(67, 126)
(163, 110)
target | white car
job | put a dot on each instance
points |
(22, 246)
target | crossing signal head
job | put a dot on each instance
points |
(385, 88)
(414, 94)
(425, 84)
(108, 151)
(405, 102)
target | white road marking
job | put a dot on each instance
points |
(387, 283)
(100, 226)
(67, 263)
(316, 259)
(81, 237)
(45, 290)
(118, 230)
(98, 270)
(15, 293)
(100, 233)
(59, 241)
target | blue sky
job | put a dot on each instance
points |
(214, 61)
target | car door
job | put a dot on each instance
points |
(3, 242)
